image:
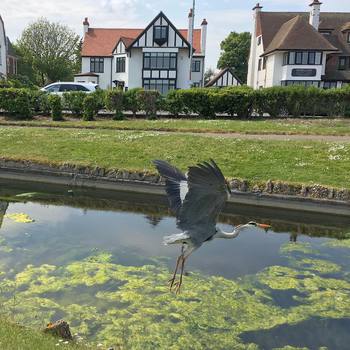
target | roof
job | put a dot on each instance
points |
(297, 34)
(217, 76)
(89, 74)
(270, 23)
(101, 42)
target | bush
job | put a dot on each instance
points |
(148, 101)
(74, 102)
(55, 103)
(16, 102)
(235, 101)
(114, 102)
(91, 106)
(174, 103)
(131, 102)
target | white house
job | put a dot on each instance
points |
(155, 57)
(299, 48)
(3, 50)
(224, 78)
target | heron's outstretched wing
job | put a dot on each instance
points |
(175, 184)
(208, 192)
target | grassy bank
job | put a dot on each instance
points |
(14, 337)
(273, 126)
(325, 163)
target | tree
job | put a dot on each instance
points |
(208, 75)
(235, 53)
(49, 51)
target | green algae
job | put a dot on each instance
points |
(131, 307)
(297, 247)
(345, 243)
(19, 218)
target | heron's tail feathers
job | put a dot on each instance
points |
(176, 238)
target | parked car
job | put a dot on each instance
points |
(60, 87)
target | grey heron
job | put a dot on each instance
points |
(197, 199)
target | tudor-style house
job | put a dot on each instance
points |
(3, 50)
(224, 78)
(300, 48)
(156, 57)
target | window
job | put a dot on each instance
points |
(304, 72)
(305, 83)
(53, 88)
(160, 60)
(160, 34)
(348, 39)
(162, 85)
(264, 62)
(81, 88)
(344, 63)
(302, 58)
(196, 66)
(298, 58)
(260, 64)
(259, 40)
(120, 65)
(330, 85)
(326, 32)
(68, 88)
(96, 65)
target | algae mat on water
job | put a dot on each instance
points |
(131, 308)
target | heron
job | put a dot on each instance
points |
(196, 199)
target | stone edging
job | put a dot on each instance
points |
(79, 172)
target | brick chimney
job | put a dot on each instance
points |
(315, 14)
(190, 26)
(204, 36)
(86, 25)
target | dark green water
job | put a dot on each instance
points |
(99, 263)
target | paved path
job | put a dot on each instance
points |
(273, 137)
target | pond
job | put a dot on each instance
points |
(97, 260)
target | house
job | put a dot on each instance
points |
(3, 50)
(155, 57)
(224, 78)
(12, 59)
(300, 48)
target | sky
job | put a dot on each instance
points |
(223, 16)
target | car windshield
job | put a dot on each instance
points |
(53, 88)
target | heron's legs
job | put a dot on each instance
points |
(172, 280)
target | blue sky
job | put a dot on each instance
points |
(223, 16)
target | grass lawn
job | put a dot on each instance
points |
(14, 337)
(277, 126)
(326, 163)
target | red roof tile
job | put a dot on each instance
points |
(101, 41)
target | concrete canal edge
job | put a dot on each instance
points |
(313, 198)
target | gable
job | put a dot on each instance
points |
(225, 77)
(174, 38)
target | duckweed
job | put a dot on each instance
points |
(131, 307)
(19, 217)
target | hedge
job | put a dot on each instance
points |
(241, 102)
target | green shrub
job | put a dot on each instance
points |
(114, 102)
(91, 106)
(131, 102)
(100, 97)
(55, 102)
(149, 102)
(16, 102)
(74, 102)
(235, 101)
(174, 103)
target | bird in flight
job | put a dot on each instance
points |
(197, 199)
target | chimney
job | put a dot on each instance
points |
(190, 27)
(86, 25)
(315, 13)
(204, 36)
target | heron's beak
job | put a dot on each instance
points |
(264, 226)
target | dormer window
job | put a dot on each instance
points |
(160, 34)
(326, 32)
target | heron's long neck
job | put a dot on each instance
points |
(229, 235)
